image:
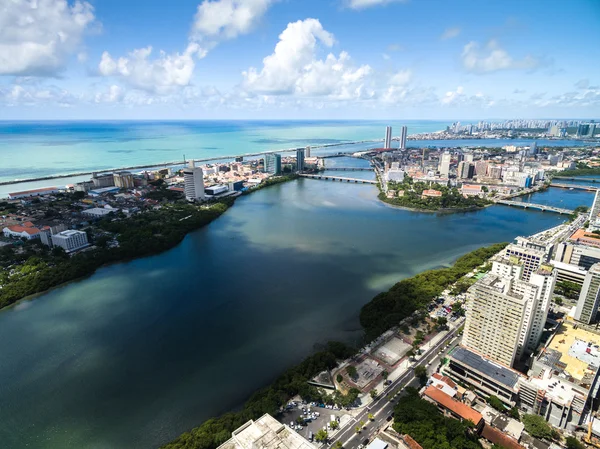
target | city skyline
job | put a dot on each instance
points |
(346, 59)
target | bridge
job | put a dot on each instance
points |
(573, 186)
(328, 156)
(349, 168)
(541, 207)
(569, 178)
(341, 179)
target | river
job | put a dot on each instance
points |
(141, 351)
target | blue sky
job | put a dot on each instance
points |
(413, 59)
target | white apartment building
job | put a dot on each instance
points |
(530, 255)
(444, 165)
(193, 178)
(70, 240)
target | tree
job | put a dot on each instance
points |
(338, 445)
(334, 424)
(300, 420)
(362, 424)
(442, 322)
(421, 373)
(358, 429)
(385, 374)
(352, 372)
(371, 417)
(78, 195)
(558, 301)
(514, 413)
(537, 427)
(339, 378)
(410, 354)
(496, 403)
(373, 393)
(574, 443)
(321, 436)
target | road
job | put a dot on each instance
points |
(381, 408)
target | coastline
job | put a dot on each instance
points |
(91, 261)
(437, 211)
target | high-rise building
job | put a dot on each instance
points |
(307, 152)
(583, 129)
(103, 180)
(533, 149)
(444, 165)
(388, 137)
(300, 159)
(589, 298)
(506, 314)
(595, 210)
(465, 170)
(70, 240)
(481, 167)
(272, 163)
(468, 157)
(531, 258)
(123, 179)
(193, 178)
(403, 136)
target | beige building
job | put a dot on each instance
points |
(123, 179)
(265, 433)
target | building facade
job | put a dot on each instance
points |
(589, 298)
(300, 159)
(123, 179)
(272, 163)
(70, 240)
(193, 179)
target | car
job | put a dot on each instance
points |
(292, 424)
(389, 418)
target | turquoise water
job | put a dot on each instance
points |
(141, 351)
(32, 150)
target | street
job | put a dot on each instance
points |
(382, 408)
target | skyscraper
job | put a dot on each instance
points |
(300, 159)
(589, 298)
(272, 162)
(595, 210)
(444, 165)
(307, 152)
(465, 170)
(403, 135)
(193, 178)
(388, 137)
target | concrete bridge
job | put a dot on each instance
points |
(341, 179)
(327, 156)
(541, 207)
(573, 186)
(349, 168)
(576, 179)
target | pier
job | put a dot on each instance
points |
(541, 207)
(340, 179)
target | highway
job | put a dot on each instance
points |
(381, 408)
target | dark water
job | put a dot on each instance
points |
(142, 351)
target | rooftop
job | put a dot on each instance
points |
(499, 373)
(497, 437)
(264, 433)
(458, 408)
(577, 351)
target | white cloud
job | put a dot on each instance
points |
(450, 33)
(493, 58)
(401, 78)
(293, 68)
(37, 37)
(114, 94)
(226, 19)
(35, 94)
(362, 4)
(161, 75)
(459, 97)
(386, 56)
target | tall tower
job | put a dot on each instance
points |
(444, 166)
(272, 163)
(595, 210)
(589, 298)
(307, 152)
(193, 178)
(403, 138)
(300, 159)
(388, 137)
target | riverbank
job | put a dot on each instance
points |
(36, 269)
(437, 211)
(386, 309)
(434, 205)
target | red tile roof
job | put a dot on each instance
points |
(411, 443)
(20, 229)
(458, 408)
(494, 436)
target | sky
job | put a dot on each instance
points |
(299, 59)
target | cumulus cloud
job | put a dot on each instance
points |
(362, 4)
(38, 36)
(35, 94)
(450, 33)
(459, 97)
(226, 19)
(493, 58)
(159, 75)
(293, 67)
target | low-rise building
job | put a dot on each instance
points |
(265, 433)
(453, 408)
(431, 193)
(471, 190)
(32, 193)
(97, 212)
(70, 240)
(25, 230)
